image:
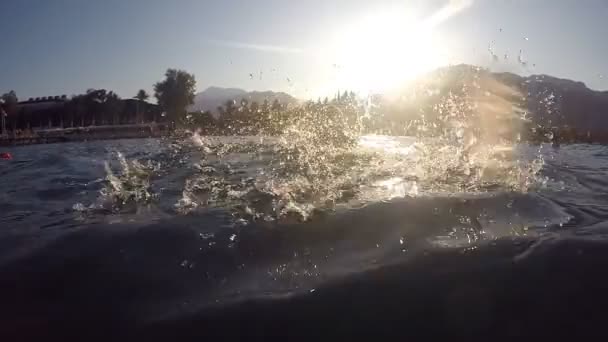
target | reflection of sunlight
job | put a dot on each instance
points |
(394, 145)
(393, 187)
(390, 188)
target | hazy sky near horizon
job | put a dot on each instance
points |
(307, 48)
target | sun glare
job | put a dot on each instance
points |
(381, 51)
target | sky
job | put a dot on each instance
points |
(307, 48)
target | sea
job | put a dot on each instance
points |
(198, 238)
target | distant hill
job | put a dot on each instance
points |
(214, 97)
(555, 102)
(547, 101)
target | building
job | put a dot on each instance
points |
(58, 112)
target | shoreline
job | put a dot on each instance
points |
(154, 130)
(83, 134)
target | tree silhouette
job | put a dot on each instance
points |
(112, 108)
(227, 117)
(94, 100)
(265, 106)
(276, 105)
(77, 110)
(254, 107)
(141, 96)
(255, 116)
(175, 93)
(229, 105)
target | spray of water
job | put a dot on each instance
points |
(127, 188)
(325, 157)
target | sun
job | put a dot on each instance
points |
(382, 50)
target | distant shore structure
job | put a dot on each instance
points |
(59, 118)
(61, 112)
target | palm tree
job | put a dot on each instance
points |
(142, 96)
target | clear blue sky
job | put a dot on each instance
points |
(66, 46)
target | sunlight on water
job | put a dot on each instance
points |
(321, 158)
(292, 181)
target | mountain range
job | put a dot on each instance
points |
(546, 101)
(556, 102)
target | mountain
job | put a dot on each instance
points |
(548, 102)
(214, 97)
(556, 102)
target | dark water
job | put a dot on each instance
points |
(231, 237)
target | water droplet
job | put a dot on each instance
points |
(205, 236)
(526, 38)
(78, 207)
(401, 240)
(521, 60)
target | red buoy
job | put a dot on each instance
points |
(6, 156)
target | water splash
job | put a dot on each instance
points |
(322, 162)
(129, 186)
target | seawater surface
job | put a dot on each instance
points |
(154, 230)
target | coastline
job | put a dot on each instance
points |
(89, 133)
